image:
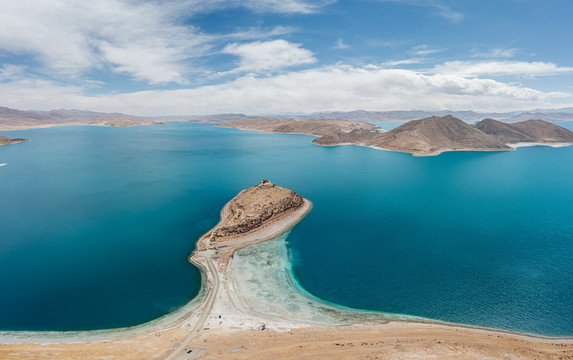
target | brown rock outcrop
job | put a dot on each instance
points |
(254, 207)
(525, 131)
(7, 141)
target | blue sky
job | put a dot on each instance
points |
(165, 57)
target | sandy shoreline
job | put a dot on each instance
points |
(246, 286)
(550, 144)
(45, 126)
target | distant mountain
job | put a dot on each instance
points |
(217, 118)
(373, 116)
(542, 131)
(561, 110)
(553, 115)
(308, 127)
(525, 131)
(11, 119)
(546, 116)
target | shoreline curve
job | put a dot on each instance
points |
(187, 328)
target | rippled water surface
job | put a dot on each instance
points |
(96, 225)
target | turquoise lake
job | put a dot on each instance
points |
(97, 223)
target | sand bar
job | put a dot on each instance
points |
(247, 286)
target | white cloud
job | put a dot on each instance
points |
(9, 72)
(255, 33)
(499, 68)
(341, 45)
(392, 63)
(285, 6)
(272, 55)
(423, 50)
(496, 53)
(71, 37)
(332, 88)
(146, 40)
(440, 7)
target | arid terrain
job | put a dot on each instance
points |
(430, 136)
(7, 141)
(287, 126)
(11, 119)
(223, 324)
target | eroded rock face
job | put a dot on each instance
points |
(255, 206)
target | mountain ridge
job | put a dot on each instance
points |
(423, 137)
(12, 119)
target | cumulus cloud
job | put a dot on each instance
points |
(499, 68)
(271, 56)
(331, 88)
(146, 40)
(72, 37)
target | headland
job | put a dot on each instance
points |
(242, 314)
(424, 137)
(7, 141)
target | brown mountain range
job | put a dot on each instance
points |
(525, 131)
(11, 119)
(429, 136)
(306, 127)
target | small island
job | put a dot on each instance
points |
(7, 141)
(228, 321)
(425, 137)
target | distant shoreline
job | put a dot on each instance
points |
(425, 137)
(45, 126)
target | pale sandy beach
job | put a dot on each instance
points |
(550, 144)
(251, 308)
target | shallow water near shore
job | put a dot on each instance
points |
(97, 224)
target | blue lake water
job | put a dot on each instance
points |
(97, 223)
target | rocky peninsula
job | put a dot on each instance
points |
(425, 137)
(7, 141)
(250, 308)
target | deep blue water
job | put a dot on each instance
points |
(97, 223)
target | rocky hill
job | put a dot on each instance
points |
(430, 136)
(254, 207)
(434, 135)
(542, 131)
(7, 141)
(504, 132)
(525, 131)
